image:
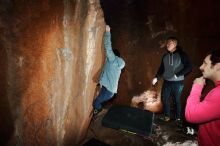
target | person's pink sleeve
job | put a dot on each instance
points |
(208, 109)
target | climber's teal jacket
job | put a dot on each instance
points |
(112, 68)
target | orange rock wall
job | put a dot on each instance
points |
(51, 55)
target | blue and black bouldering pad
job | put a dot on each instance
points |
(129, 119)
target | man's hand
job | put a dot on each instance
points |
(200, 80)
(107, 28)
(154, 81)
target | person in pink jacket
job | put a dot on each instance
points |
(206, 112)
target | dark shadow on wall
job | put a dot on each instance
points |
(6, 121)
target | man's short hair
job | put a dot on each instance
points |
(215, 57)
(172, 38)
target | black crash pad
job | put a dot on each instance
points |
(129, 119)
(95, 142)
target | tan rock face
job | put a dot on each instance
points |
(52, 57)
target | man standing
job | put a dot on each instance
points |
(174, 66)
(207, 111)
(110, 73)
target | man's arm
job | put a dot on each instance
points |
(160, 70)
(208, 109)
(108, 45)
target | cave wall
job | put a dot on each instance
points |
(51, 55)
(139, 30)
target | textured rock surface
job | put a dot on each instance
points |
(51, 56)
